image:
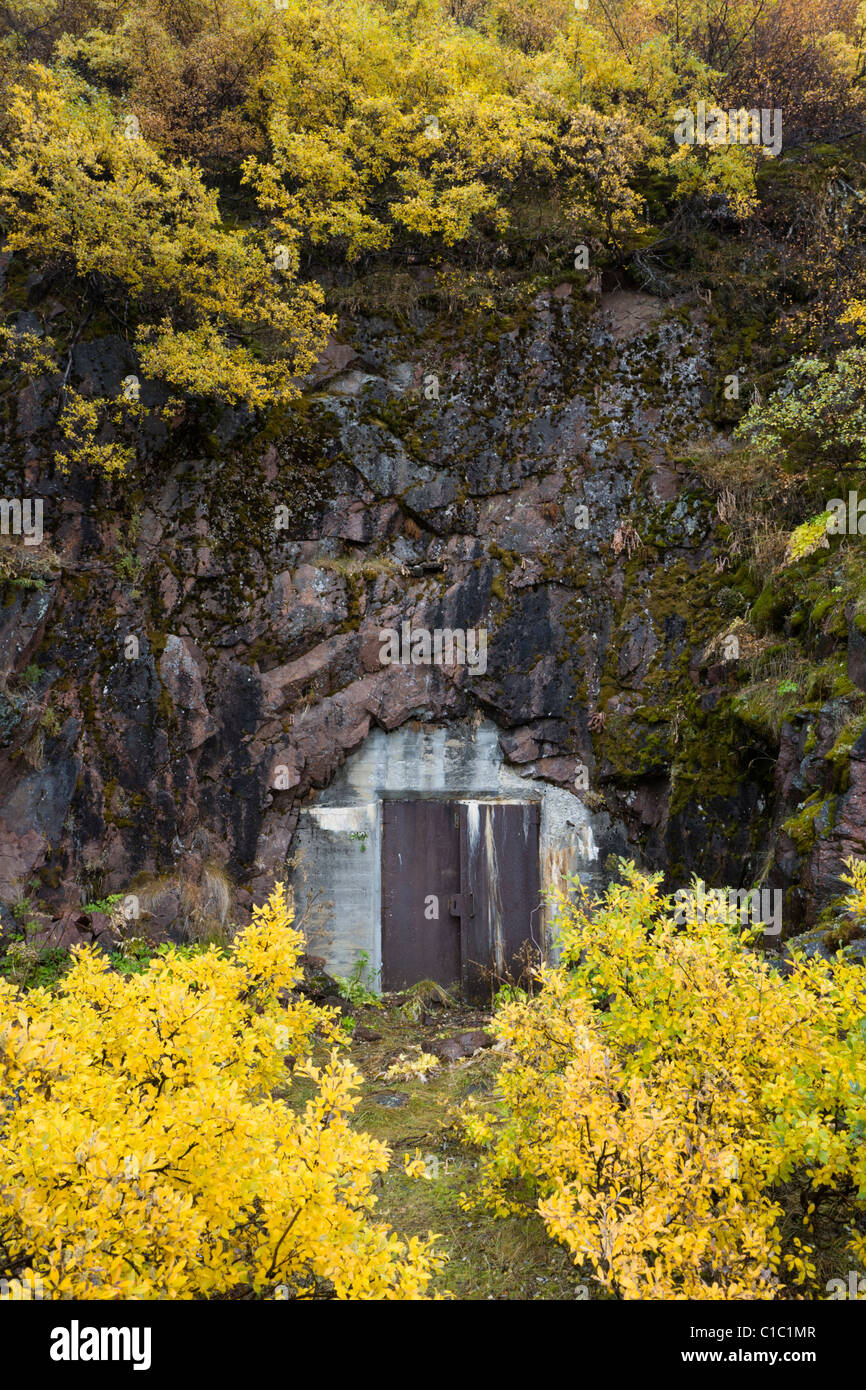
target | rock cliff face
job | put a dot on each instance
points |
(197, 656)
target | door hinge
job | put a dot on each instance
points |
(462, 905)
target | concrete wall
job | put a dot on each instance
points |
(336, 864)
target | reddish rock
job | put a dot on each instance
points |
(335, 358)
(519, 746)
(317, 673)
(99, 924)
(72, 929)
(165, 911)
(475, 1040)
(180, 674)
(467, 513)
(446, 1049)
(22, 624)
(561, 770)
(20, 852)
(285, 770)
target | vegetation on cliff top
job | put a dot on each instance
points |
(178, 171)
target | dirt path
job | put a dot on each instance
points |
(489, 1257)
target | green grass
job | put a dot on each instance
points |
(488, 1257)
(42, 972)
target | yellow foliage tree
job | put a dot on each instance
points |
(381, 125)
(82, 189)
(478, 132)
(666, 1087)
(347, 129)
(143, 1153)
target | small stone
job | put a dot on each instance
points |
(366, 1035)
(318, 986)
(98, 923)
(166, 910)
(391, 1100)
(473, 1041)
(447, 1049)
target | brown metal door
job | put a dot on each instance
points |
(420, 877)
(500, 902)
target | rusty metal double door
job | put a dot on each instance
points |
(460, 892)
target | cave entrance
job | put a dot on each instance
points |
(460, 892)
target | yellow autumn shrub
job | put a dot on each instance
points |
(144, 1154)
(82, 190)
(190, 178)
(679, 1113)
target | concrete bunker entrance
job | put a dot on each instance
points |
(429, 854)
